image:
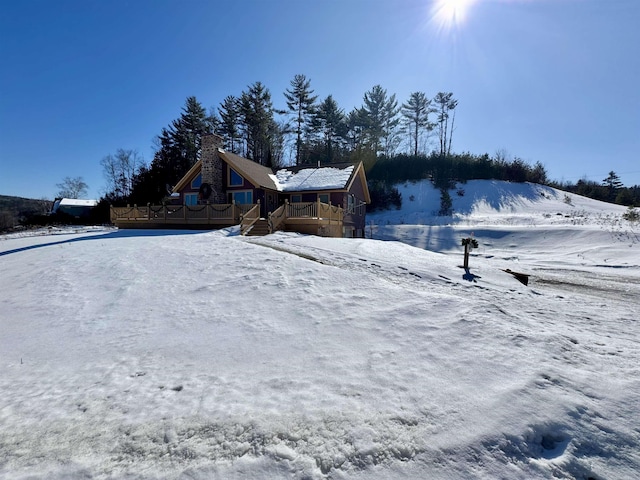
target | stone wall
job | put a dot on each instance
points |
(212, 170)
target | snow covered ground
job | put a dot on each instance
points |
(175, 354)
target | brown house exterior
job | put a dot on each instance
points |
(326, 200)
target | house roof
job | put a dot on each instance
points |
(292, 179)
(72, 202)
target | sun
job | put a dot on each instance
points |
(449, 13)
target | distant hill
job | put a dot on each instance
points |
(14, 210)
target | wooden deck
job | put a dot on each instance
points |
(179, 216)
(313, 218)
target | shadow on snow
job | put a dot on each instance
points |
(130, 233)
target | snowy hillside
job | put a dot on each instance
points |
(174, 354)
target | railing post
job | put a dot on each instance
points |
(148, 211)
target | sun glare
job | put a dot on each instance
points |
(451, 12)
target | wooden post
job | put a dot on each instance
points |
(468, 243)
(466, 256)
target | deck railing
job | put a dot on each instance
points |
(308, 213)
(202, 214)
(314, 211)
(277, 218)
(249, 219)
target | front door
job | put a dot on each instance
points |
(271, 203)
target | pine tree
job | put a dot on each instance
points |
(178, 151)
(186, 133)
(262, 135)
(229, 126)
(329, 119)
(300, 102)
(445, 105)
(613, 184)
(416, 116)
(381, 113)
(357, 122)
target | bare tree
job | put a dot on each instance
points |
(72, 187)
(119, 171)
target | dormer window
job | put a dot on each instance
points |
(235, 179)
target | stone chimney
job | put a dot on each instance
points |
(212, 170)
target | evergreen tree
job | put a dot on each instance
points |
(300, 102)
(445, 108)
(356, 129)
(329, 119)
(229, 126)
(258, 125)
(179, 149)
(416, 116)
(186, 133)
(613, 184)
(381, 113)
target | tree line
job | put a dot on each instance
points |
(307, 130)
(396, 142)
(610, 189)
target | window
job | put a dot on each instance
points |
(242, 197)
(296, 198)
(351, 203)
(196, 182)
(323, 197)
(235, 179)
(190, 198)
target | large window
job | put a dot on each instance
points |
(296, 198)
(243, 197)
(235, 179)
(323, 197)
(190, 198)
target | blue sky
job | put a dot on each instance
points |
(555, 81)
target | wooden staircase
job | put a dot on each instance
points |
(259, 229)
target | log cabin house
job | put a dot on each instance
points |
(224, 189)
